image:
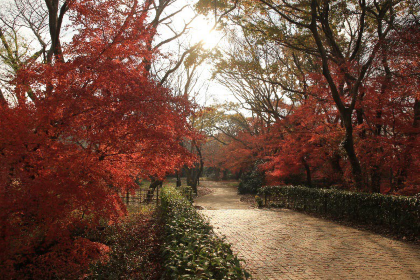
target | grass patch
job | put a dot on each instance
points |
(233, 184)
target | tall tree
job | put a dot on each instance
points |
(77, 129)
(341, 41)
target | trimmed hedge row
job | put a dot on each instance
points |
(398, 213)
(191, 249)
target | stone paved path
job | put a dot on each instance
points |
(283, 244)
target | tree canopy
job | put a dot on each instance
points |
(80, 123)
(332, 86)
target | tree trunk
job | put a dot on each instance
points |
(376, 179)
(192, 176)
(194, 173)
(308, 172)
(224, 177)
(376, 176)
(154, 183)
(217, 173)
(348, 146)
(344, 109)
(238, 175)
(337, 176)
(416, 122)
(407, 155)
(178, 179)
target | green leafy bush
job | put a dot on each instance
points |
(187, 192)
(252, 181)
(191, 249)
(399, 213)
(259, 201)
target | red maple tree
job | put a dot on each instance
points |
(306, 145)
(82, 128)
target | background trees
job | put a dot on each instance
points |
(321, 80)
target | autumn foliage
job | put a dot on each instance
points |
(305, 145)
(79, 130)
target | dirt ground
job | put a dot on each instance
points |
(224, 196)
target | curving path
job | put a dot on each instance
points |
(283, 244)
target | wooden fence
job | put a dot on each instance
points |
(142, 197)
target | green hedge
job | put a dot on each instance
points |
(398, 213)
(191, 249)
(187, 192)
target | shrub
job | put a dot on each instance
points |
(251, 181)
(259, 201)
(191, 249)
(398, 213)
(187, 192)
(134, 249)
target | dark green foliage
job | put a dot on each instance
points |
(212, 173)
(251, 181)
(398, 213)
(187, 192)
(191, 249)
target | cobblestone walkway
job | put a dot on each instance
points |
(283, 244)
